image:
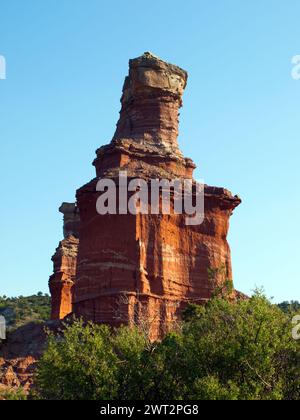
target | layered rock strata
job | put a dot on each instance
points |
(145, 268)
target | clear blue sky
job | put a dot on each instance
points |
(66, 62)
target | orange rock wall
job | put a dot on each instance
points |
(148, 266)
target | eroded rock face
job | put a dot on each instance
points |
(20, 352)
(152, 96)
(17, 373)
(145, 268)
(65, 261)
(145, 141)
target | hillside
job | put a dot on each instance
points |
(293, 306)
(21, 310)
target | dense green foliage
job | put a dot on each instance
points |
(12, 394)
(234, 351)
(21, 310)
(288, 307)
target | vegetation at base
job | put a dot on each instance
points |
(12, 394)
(290, 307)
(21, 310)
(223, 351)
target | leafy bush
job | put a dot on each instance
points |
(21, 310)
(231, 351)
(245, 350)
(12, 394)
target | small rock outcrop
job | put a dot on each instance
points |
(65, 261)
(20, 352)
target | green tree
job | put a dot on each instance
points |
(79, 365)
(244, 348)
(224, 350)
(290, 307)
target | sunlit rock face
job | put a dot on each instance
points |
(147, 130)
(145, 268)
(152, 96)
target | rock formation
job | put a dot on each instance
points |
(143, 268)
(145, 142)
(65, 261)
(20, 352)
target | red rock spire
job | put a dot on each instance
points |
(147, 130)
(152, 96)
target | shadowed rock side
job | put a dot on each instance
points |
(65, 261)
